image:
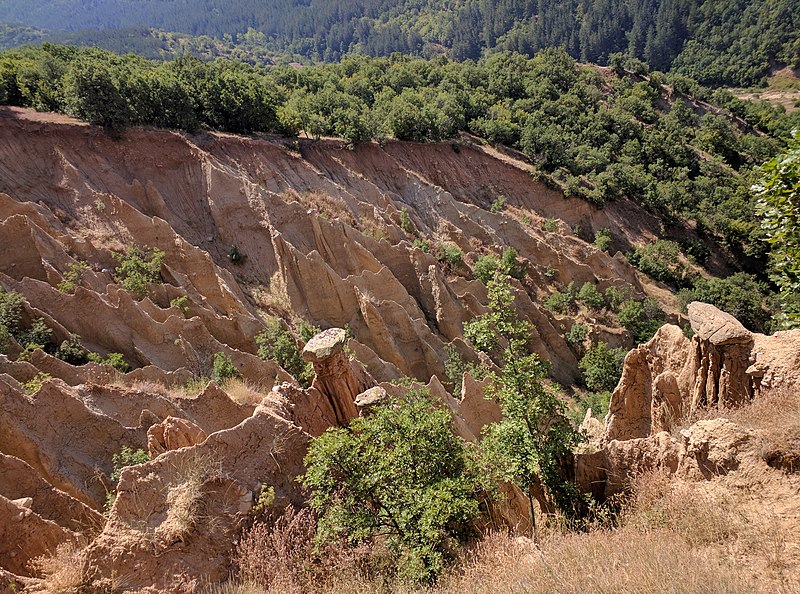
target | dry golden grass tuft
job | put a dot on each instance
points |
(186, 498)
(62, 572)
(243, 392)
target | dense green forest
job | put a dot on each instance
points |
(732, 42)
(684, 152)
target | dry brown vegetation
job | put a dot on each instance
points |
(730, 535)
(671, 538)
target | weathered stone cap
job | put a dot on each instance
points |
(371, 398)
(325, 344)
(715, 326)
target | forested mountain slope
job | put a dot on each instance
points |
(732, 42)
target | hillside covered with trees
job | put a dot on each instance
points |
(733, 42)
(687, 154)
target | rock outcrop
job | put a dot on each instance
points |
(171, 434)
(671, 377)
(723, 365)
(336, 378)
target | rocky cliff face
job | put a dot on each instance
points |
(673, 379)
(326, 235)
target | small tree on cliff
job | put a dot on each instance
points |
(532, 445)
(399, 474)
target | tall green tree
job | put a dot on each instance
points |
(778, 194)
(532, 445)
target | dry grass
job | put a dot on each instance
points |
(328, 207)
(776, 417)
(62, 572)
(284, 559)
(672, 537)
(243, 392)
(186, 498)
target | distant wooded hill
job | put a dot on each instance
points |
(733, 42)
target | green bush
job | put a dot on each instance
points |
(641, 318)
(406, 223)
(577, 334)
(741, 295)
(138, 268)
(663, 261)
(72, 351)
(181, 303)
(485, 267)
(602, 367)
(550, 225)
(597, 401)
(38, 334)
(615, 296)
(116, 360)
(72, 277)
(277, 344)
(562, 302)
(449, 254)
(422, 244)
(11, 307)
(602, 239)
(223, 369)
(308, 331)
(6, 340)
(35, 384)
(399, 474)
(498, 204)
(126, 457)
(591, 297)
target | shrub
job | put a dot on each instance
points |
(615, 296)
(562, 302)
(422, 244)
(72, 277)
(487, 266)
(116, 360)
(602, 367)
(72, 351)
(39, 334)
(34, 384)
(235, 256)
(400, 474)
(741, 295)
(127, 457)
(278, 344)
(641, 318)
(577, 334)
(661, 260)
(181, 303)
(597, 401)
(223, 369)
(11, 306)
(550, 225)
(449, 254)
(6, 340)
(498, 204)
(138, 268)
(308, 331)
(602, 239)
(591, 297)
(405, 222)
